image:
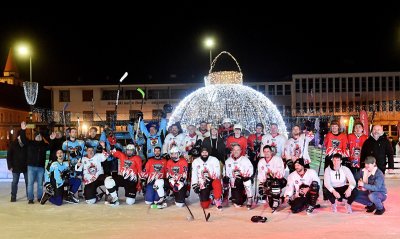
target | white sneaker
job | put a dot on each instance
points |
(262, 201)
(334, 207)
(348, 208)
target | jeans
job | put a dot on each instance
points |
(14, 184)
(369, 198)
(35, 174)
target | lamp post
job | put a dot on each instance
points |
(24, 50)
(209, 43)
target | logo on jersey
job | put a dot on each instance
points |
(176, 169)
(154, 141)
(128, 164)
(335, 143)
(157, 167)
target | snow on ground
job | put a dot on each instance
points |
(20, 220)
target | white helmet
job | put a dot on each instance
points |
(238, 126)
(130, 147)
(174, 150)
(226, 120)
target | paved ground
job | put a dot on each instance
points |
(20, 220)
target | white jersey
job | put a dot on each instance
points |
(297, 148)
(278, 142)
(335, 179)
(242, 164)
(91, 167)
(274, 167)
(200, 169)
(171, 141)
(295, 180)
(188, 142)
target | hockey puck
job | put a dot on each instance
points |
(258, 219)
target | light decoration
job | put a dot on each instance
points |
(224, 96)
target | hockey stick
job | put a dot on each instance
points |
(113, 126)
(191, 217)
(206, 216)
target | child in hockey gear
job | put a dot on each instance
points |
(57, 181)
(177, 169)
(129, 166)
(239, 171)
(154, 175)
(340, 183)
(303, 188)
(93, 174)
(206, 176)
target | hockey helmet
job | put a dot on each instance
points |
(130, 147)
(174, 150)
(226, 120)
(238, 126)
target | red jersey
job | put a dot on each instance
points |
(155, 169)
(254, 139)
(177, 170)
(242, 141)
(128, 167)
(336, 144)
(355, 145)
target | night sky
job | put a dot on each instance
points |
(270, 43)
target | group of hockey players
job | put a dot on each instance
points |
(218, 163)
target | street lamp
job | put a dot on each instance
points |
(209, 43)
(24, 50)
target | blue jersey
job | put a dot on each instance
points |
(139, 141)
(155, 139)
(75, 150)
(93, 142)
(56, 171)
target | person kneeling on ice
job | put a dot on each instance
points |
(93, 174)
(206, 176)
(57, 180)
(129, 166)
(270, 177)
(340, 183)
(154, 176)
(238, 172)
(302, 190)
(177, 171)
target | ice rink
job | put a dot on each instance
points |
(20, 220)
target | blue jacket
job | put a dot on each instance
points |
(376, 182)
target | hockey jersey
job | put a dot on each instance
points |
(73, 149)
(56, 171)
(93, 142)
(128, 166)
(91, 167)
(355, 145)
(242, 141)
(297, 148)
(155, 169)
(171, 141)
(242, 164)
(177, 171)
(295, 181)
(274, 167)
(201, 170)
(188, 142)
(277, 143)
(336, 144)
(254, 140)
(153, 141)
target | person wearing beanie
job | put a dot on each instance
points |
(302, 189)
(206, 177)
(371, 185)
(340, 183)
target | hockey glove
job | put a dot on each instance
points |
(196, 188)
(178, 186)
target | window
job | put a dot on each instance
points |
(88, 115)
(316, 90)
(324, 106)
(393, 129)
(337, 106)
(351, 106)
(391, 82)
(337, 83)
(304, 107)
(384, 84)
(344, 106)
(297, 85)
(364, 84)
(279, 90)
(109, 115)
(271, 90)
(357, 84)
(330, 85)
(377, 84)
(64, 96)
(67, 116)
(397, 83)
(304, 85)
(317, 108)
(349, 85)
(133, 113)
(310, 84)
(87, 95)
(164, 94)
(324, 86)
(261, 88)
(370, 106)
(370, 84)
(109, 95)
(384, 105)
(178, 93)
(298, 108)
(288, 91)
(386, 129)
(156, 114)
(331, 107)
(391, 105)
(287, 110)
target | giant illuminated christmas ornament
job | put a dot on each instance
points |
(225, 96)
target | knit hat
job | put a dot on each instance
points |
(370, 160)
(299, 161)
(204, 149)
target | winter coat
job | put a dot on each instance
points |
(380, 149)
(16, 157)
(36, 151)
(219, 151)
